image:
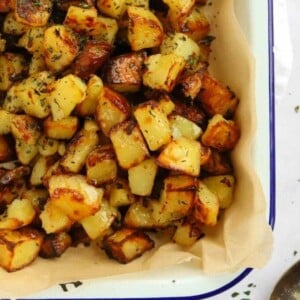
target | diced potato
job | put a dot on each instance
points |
(206, 154)
(37, 197)
(141, 177)
(223, 187)
(11, 191)
(60, 47)
(218, 163)
(37, 63)
(91, 58)
(129, 144)
(74, 196)
(120, 194)
(54, 219)
(78, 149)
(206, 207)
(217, 98)
(180, 44)
(26, 152)
(126, 244)
(6, 119)
(181, 126)
(101, 165)
(19, 213)
(55, 244)
(32, 40)
(82, 20)
(39, 169)
(12, 26)
(154, 124)
(91, 125)
(109, 28)
(99, 223)
(6, 145)
(63, 129)
(177, 199)
(186, 234)
(191, 83)
(166, 104)
(25, 128)
(114, 9)
(11, 68)
(163, 71)
(144, 29)
(29, 13)
(221, 134)
(67, 92)
(11, 102)
(124, 72)
(182, 155)
(18, 248)
(112, 109)
(13, 173)
(47, 146)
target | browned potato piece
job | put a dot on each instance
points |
(55, 244)
(101, 165)
(11, 191)
(11, 175)
(120, 194)
(221, 134)
(205, 155)
(129, 144)
(65, 4)
(31, 12)
(91, 58)
(126, 244)
(144, 29)
(112, 108)
(186, 234)
(217, 98)
(218, 163)
(63, 129)
(124, 72)
(191, 84)
(6, 152)
(114, 9)
(19, 248)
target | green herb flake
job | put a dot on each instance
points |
(235, 294)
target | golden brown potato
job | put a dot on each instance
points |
(129, 144)
(126, 244)
(6, 146)
(120, 194)
(216, 98)
(108, 30)
(112, 109)
(114, 9)
(124, 72)
(13, 26)
(55, 244)
(218, 163)
(64, 5)
(32, 40)
(11, 191)
(19, 248)
(166, 104)
(221, 134)
(6, 118)
(47, 146)
(186, 234)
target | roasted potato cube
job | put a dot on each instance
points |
(99, 223)
(14, 173)
(182, 155)
(64, 5)
(55, 244)
(223, 187)
(221, 134)
(191, 83)
(163, 71)
(124, 72)
(19, 248)
(88, 106)
(60, 47)
(78, 150)
(206, 154)
(129, 144)
(126, 244)
(141, 177)
(206, 208)
(177, 199)
(29, 13)
(114, 9)
(39, 169)
(6, 152)
(37, 63)
(32, 40)
(12, 26)
(19, 213)
(144, 29)
(54, 219)
(218, 163)
(47, 146)
(11, 191)
(181, 126)
(154, 124)
(109, 28)
(166, 104)
(93, 55)
(120, 194)
(101, 165)
(139, 3)
(12, 66)
(25, 128)
(186, 234)
(216, 98)
(74, 196)
(55, 169)
(66, 93)
(63, 129)
(25, 152)
(6, 118)
(112, 109)
(37, 196)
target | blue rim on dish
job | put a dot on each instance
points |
(272, 192)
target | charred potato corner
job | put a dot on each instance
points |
(111, 128)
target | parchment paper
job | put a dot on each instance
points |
(242, 238)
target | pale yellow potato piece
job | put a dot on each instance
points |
(120, 194)
(181, 126)
(12, 26)
(6, 119)
(114, 9)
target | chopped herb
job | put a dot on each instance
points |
(235, 294)
(297, 108)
